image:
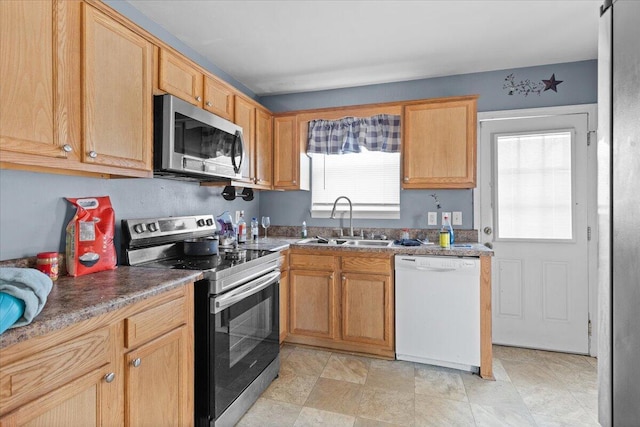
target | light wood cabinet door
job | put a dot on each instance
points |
(218, 98)
(245, 117)
(286, 153)
(312, 303)
(38, 69)
(367, 315)
(284, 304)
(118, 114)
(157, 382)
(264, 148)
(439, 144)
(179, 78)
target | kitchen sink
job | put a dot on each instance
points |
(331, 242)
(369, 243)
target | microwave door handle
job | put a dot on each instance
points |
(238, 140)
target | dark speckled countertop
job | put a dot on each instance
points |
(74, 299)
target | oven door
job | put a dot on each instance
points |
(245, 337)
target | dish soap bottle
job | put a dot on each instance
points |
(446, 226)
(303, 234)
(254, 228)
(242, 229)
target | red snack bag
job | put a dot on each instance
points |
(89, 243)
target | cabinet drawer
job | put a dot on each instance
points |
(154, 321)
(366, 265)
(47, 370)
(311, 262)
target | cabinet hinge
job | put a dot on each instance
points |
(588, 233)
(589, 327)
(589, 135)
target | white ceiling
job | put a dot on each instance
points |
(286, 46)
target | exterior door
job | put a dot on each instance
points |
(534, 213)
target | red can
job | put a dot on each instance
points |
(47, 262)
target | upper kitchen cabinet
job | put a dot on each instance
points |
(439, 143)
(257, 132)
(118, 112)
(180, 77)
(285, 153)
(40, 64)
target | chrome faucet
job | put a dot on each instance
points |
(333, 213)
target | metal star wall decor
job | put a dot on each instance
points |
(552, 83)
(527, 87)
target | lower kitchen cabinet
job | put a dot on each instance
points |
(342, 301)
(132, 366)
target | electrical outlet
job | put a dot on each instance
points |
(237, 216)
(432, 218)
(448, 215)
(456, 218)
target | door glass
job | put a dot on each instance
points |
(534, 186)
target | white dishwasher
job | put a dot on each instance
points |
(438, 310)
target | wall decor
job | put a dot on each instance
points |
(526, 87)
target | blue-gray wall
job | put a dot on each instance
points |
(579, 86)
(33, 213)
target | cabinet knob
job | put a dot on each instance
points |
(209, 104)
(110, 377)
(136, 362)
(344, 278)
(93, 154)
(198, 98)
(294, 181)
(406, 179)
(67, 148)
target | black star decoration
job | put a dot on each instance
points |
(552, 83)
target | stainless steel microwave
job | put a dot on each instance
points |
(191, 143)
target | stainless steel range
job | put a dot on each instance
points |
(236, 309)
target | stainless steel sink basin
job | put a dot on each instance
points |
(369, 243)
(331, 242)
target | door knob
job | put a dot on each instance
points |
(487, 230)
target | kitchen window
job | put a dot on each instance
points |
(370, 179)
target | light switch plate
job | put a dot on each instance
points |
(432, 218)
(448, 214)
(456, 218)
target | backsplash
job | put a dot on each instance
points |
(462, 235)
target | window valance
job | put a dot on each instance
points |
(349, 134)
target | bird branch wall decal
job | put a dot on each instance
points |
(527, 87)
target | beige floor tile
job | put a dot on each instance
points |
(552, 402)
(446, 384)
(576, 378)
(531, 374)
(593, 361)
(285, 351)
(347, 368)
(366, 422)
(491, 393)
(290, 387)
(335, 396)
(499, 373)
(588, 399)
(566, 359)
(518, 354)
(436, 412)
(389, 406)
(390, 375)
(270, 413)
(307, 362)
(310, 417)
(501, 416)
(548, 421)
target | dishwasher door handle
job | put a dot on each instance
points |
(442, 270)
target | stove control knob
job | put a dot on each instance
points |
(209, 221)
(200, 222)
(152, 226)
(139, 228)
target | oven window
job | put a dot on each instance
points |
(248, 330)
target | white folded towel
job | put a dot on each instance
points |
(28, 284)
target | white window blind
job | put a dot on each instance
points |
(534, 177)
(370, 179)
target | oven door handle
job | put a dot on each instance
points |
(253, 287)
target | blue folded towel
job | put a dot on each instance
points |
(407, 242)
(29, 285)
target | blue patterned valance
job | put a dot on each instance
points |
(349, 134)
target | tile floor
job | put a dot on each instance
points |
(532, 388)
